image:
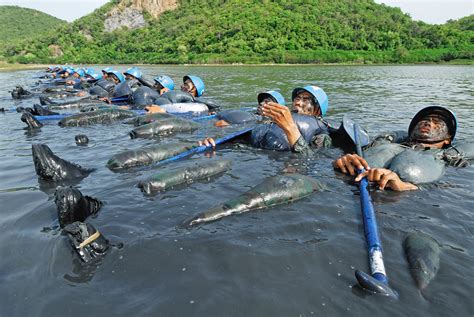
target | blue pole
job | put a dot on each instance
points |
(202, 148)
(53, 117)
(374, 245)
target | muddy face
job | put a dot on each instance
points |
(304, 104)
(431, 128)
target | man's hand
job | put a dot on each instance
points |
(208, 142)
(386, 179)
(155, 109)
(281, 115)
(350, 163)
(106, 100)
(221, 123)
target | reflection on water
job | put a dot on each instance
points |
(296, 259)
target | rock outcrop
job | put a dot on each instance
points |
(129, 13)
(154, 7)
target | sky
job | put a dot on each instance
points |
(429, 11)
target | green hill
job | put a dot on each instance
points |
(464, 24)
(253, 31)
(22, 23)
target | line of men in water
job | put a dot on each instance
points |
(398, 161)
(132, 88)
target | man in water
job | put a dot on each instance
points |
(192, 90)
(294, 129)
(193, 85)
(105, 72)
(431, 130)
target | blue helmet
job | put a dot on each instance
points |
(273, 94)
(317, 93)
(80, 72)
(447, 115)
(107, 70)
(118, 74)
(197, 82)
(70, 70)
(90, 71)
(165, 81)
(96, 76)
(134, 71)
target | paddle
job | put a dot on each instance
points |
(202, 148)
(377, 282)
(343, 136)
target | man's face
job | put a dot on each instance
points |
(432, 128)
(189, 87)
(304, 104)
(113, 79)
(129, 77)
(159, 87)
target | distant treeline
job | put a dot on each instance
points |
(263, 31)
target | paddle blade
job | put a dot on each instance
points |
(348, 126)
(373, 285)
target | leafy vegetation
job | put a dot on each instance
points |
(22, 23)
(256, 31)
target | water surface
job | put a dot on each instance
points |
(291, 260)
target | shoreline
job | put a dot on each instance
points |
(4, 66)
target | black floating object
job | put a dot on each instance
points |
(81, 139)
(73, 206)
(40, 111)
(30, 120)
(50, 167)
(86, 240)
(44, 100)
(20, 93)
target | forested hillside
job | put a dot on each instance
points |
(251, 31)
(22, 23)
